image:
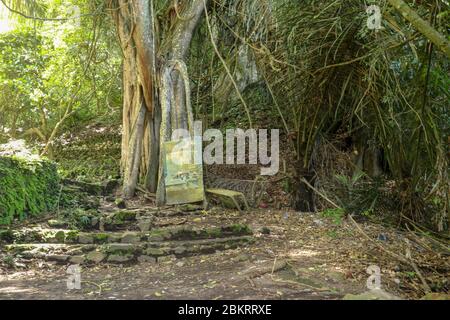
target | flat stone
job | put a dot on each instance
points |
(28, 254)
(113, 238)
(95, 256)
(147, 259)
(145, 225)
(88, 248)
(77, 259)
(155, 252)
(58, 258)
(180, 250)
(121, 247)
(116, 258)
(166, 259)
(85, 238)
(130, 237)
(53, 223)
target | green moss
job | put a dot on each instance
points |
(159, 234)
(214, 232)
(123, 216)
(238, 229)
(29, 187)
(60, 236)
(72, 236)
(101, 238)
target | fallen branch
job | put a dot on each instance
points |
(360, 230)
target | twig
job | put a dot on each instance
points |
(395, 255)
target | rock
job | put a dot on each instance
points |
(6, 235)
(101, 238)
(94, 222)
(436, 296)
(145, 224)
(318, 222)
(53, 223)
(116, 258)
(28, 254)
(77, 259)
(180, 264)
(88, 248)
(180, 250)
(95, 256)
(120, 203)
(120, 247)
(376, 294)
(71, 237)
(146, 259)
(113, 238)
(155, 252)
(58, 258)
(60, 236)
(85, 238)
(166, 259)
(130, 237)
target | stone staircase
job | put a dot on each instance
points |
(125, 236)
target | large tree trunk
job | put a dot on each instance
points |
(141, 97)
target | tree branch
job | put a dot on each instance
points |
(422, 26)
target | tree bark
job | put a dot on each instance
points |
(141, 102)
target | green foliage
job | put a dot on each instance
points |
(28, 187)
(336, 215)
(359, 195)
(57, 75)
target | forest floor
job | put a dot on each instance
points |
(292, 255)
(295, 256)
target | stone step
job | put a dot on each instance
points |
(39, 235)
(114, 219)
(124, 252)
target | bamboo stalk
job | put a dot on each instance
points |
(422, 26)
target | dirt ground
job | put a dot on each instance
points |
(295, 256)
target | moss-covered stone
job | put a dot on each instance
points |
(237, 230)
(6, 235)
(95, 256)
(60, 236)
(29, 187)
(100, 238)
(159, 235)
(155, 252)
(124, 215)
(53, 223)
(71, 236)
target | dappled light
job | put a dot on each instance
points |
(224, 149)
